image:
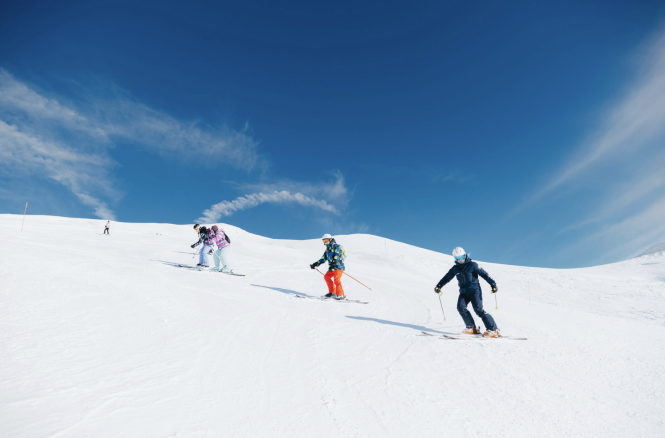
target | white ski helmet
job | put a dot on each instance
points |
(326, 236)
(459, 253)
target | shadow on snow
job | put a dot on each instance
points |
(285, 291)
(420, 328)
(173, 264)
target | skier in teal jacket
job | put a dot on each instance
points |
(335, 258)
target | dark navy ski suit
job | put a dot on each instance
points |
(467, 274)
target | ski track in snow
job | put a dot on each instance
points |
(103, 336)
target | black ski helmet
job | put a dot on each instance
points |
(196, 226)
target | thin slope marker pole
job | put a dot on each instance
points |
(24, 211)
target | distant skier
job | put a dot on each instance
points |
(204, 238)
(223, 243)
(107, 227)
(467, 272)
(335, 258)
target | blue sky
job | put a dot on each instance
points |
(529, 133)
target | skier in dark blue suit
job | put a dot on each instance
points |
(467, 272)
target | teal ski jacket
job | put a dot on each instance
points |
(332, 255)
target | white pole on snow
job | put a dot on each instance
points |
(24, 211)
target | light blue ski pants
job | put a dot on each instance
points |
(221, 256)
(204, 259)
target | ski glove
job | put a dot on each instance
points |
(495, 289)
(210, 252)
(438, 290)
(313, 265)
(193, 245)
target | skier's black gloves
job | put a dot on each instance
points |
(495, 289)
(193, 245)
(438, 290)
(210, 252)
(313, 265)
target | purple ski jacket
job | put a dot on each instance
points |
(220, 239)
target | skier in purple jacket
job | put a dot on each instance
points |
(223, 243)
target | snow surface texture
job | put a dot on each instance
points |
(659, 247)
(103, 336)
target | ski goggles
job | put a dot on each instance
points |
(460, 258)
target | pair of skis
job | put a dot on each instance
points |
(332, 299)
(473, 337)
(198, 268)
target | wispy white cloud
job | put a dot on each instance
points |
(334, 191)
(46, 135)
(629, 127)
(618, 169)
(128, 120)
(619, 200)
(629, 236)
(81, 173)
(101, 209)
(227, 208)
(19, 101)
(330, 196)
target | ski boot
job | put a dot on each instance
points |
(491, 334)
(470, 331)
(329, 295)
(340, 297)
(227, 271)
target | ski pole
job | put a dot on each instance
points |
(317, 270)
(496, 302)
(357, 280)
(444, 313)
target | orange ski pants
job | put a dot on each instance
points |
(334, 280)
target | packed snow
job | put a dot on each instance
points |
(105, 336)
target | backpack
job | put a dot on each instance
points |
(341, 250)
(226, 236)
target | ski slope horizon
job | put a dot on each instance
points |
(105, 336)
(654, 249)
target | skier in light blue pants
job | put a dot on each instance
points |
(204, 259)
(223, 242)
(206, 240)
(220, 258)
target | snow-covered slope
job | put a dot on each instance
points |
(102, 336)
